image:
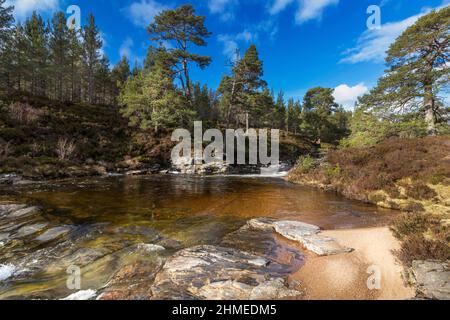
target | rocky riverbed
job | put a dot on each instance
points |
(249, 263)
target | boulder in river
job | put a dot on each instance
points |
(306, 234)
(431, 279)
(218, 273)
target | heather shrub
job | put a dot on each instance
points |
(409, 224)
(417, 247)
(382, 166)
(420, 191)
(423, 237)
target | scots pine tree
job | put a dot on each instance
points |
(183, 29)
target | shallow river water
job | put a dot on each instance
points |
(94, 223)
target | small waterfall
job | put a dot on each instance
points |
(278, 170)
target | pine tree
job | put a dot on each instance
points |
(322, 116)
(280, 112)
(150, 99)
(103, 81)
(418, 64)
(119, 75)
(91, 56)
(74, 58)
(59, 48)
(290, 115)
(6, 41)
(121, 72)
(243, 92)
(149, 61)
(183, 28)
(6, 22)
(37, 55)
(201, 102)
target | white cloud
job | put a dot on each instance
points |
(246, 36)
(217, 6)
(223, 8)
(312, 9)
(22, 8)
(126, 50)
(347, 96)
(279, 5)
(142, 12)
(373, 44)
(229, 46)
(307, 9)
(266, 30)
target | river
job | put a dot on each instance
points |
(93, 221)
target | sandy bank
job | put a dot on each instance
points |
(345, 276)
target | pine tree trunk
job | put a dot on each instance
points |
(188, 81)
(429, 106)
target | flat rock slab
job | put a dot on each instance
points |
(53, 233)
(432, 279)
(264, 243)
(218, 273)
(306, 234)
(16, 211)
(7, 208)
(28, 230)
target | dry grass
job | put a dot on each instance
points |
(23, 113)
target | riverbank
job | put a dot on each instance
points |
(411, 175)
(408, 175)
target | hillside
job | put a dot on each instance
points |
(41, 139)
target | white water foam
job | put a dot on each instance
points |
(82, 295)
(7, 271)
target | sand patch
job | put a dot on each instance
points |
(345, 276)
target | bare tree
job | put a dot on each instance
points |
(65, 148)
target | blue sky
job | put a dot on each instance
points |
(303, 43)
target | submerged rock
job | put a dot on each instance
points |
(149, 233)
(4, 236)
(54, 233)
(432, 279)
(132, 282)
(26, 231)
(306, 234)
(22, 212)
(211, 272)
(5, 209)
